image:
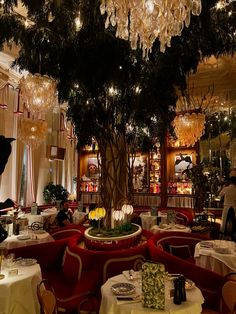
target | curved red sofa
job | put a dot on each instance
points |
(208, 282)
(109, 263)
(66, 231)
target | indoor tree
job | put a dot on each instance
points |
(124, 102)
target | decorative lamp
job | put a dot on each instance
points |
(127, 209)
(32, 132)
(92, 215)
(118, 215)
(142, 21)
(189, 127)
(97, 214)
(38, 92)
(100, 212)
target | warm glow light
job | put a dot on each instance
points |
(38, 92)
(127, 209)
(142, 21)
(78, 23)
(189, 128)
(97, 213)
(32, 132)
(118, 215)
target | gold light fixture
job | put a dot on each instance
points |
(189, 127)
(32, 132)
(38, 92)
(142, 21)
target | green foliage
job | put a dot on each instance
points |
(200, 184)
(53, 192)
(94, 59)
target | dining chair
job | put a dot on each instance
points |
(228, 233)
(229, 293)
(46, 297)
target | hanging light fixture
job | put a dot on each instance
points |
(38, 92)
(142, 21)
(32, 132)
(189, 127)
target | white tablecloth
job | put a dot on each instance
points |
(180, 201)
(209, 258)
(165, 227)
(110, 305)
(18, 294)
(33, 238)
(46, 217)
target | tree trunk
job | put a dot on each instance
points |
(114, 173)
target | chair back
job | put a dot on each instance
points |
(46, 297)
(229, 295)
(229, 225)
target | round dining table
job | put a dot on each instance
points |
(169, 227)
(216, 255)
(24, 239)
(18, 292)
(111, 305)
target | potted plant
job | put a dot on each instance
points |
(54, 192)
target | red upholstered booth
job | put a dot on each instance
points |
(66, 231)
(72, 276)
(109, 263)
(210, 283)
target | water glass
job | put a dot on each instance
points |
(10, 260)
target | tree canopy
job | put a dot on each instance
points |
(108, 85)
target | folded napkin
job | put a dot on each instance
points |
(131, 275)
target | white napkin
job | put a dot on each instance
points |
(126, 273)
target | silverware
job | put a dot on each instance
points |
(131, 275)
(127, 298)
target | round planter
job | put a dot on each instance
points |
(102, 243)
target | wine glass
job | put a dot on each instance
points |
(10, 259)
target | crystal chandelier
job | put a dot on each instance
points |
(189, 127)
(142, 21)
(32, 132)
(38, 92)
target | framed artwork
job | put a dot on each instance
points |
(92, 168)
(183, 162)
(140, 173)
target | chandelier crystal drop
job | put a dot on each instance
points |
(38, 92)
(32, 132)
(189, 128)
(142, 21)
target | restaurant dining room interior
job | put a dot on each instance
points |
(120, 116)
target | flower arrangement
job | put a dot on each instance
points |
(97, 214)
(120, 217)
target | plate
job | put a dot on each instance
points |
(86, 225)
(23, 237)
(206, 244)
(27, 262)
(123, 288)
(189, 284)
